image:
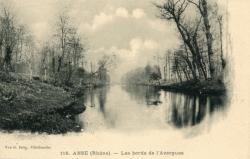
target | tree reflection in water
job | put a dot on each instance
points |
(144, 94)
(97, 97)
(119, 106)
(184, 109)
(189, 110)
(102, 98)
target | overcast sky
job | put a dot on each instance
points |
(130, 29)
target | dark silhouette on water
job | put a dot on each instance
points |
(186, 110)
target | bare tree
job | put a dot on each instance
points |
(63, 29)
(70, 46)
(104, 65)
(202, 6)
(173, 10)
(9, 38)
(21, 35)
(14, 41)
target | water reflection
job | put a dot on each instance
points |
(101, 96)
(96, 98)
(138, 107)
(184, 110)
(188, 110)
(144, 94)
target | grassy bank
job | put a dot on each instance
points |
(206, 87)
(196, 87)
(37, 107)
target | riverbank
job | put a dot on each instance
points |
(205, 87)
(196, 87)
(37, 107)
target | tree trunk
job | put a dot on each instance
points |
(187, 42)
(223, 62)
(185, 73)
(1, 57)
(199, 58)
(209, 37)
(53, 65)
(7, 58)
(70, 72)
(59, 64)
(178, 73)
(191, 67)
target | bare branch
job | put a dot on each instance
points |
(196, 4)
(197, 26)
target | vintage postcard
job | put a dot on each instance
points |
(124, 79)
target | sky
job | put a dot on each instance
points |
(131, 30)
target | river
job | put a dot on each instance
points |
(136, 108)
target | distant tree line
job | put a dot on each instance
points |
(63, 57)
(143, 75)
(59, 60)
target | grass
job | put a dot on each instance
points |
(37, 107)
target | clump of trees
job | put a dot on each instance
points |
(61, 60)
(64, 54)
(16, 43)
(100, 75)
(143, 75)
(200, 28)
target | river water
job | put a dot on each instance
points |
(136, 108)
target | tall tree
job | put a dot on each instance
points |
(173, 10)
(63, 29)
(223, 61)
(202, 6)
(9, 38)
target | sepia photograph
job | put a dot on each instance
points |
(123, 79)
